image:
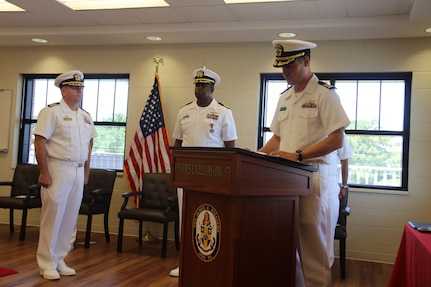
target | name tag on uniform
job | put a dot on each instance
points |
(66, 118)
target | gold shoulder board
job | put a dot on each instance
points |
(326, 85)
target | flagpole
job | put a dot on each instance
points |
(148, 237)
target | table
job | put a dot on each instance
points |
(413, 263)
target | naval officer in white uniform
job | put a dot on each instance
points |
(203, 123)
(308, 126)
(63, 141)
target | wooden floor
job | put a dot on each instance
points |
(101, 265)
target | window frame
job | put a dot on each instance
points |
(332, 77)
(26, 120)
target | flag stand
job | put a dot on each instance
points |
(159, 160)
(148, 237)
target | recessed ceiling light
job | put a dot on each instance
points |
(9, 7)
(253, 1)
(428, 30)
(39, 40)
(153, 38)
(112, 4)
(286, 35)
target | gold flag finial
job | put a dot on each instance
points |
(157, 60)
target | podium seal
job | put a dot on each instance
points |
(206, 228)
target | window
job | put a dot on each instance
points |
(378, 106)
(105, 98)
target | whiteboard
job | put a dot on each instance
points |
(5, 113)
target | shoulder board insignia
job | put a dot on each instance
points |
(285, 90)
(187, 104)
(53, 105)
(85, 111)
(326, 85)
(223, 105)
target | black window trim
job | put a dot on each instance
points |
(26, 121)
(405, 76)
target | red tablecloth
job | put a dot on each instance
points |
(413, 263)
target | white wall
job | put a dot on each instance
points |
(377, 220)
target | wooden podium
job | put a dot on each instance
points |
(240, 208)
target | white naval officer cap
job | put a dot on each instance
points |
(72, 78)
(287, 51)
(205, 76)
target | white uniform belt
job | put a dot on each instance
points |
(314, 163)
(65, 162)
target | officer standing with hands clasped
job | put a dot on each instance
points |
(63, 141)
(308, 126)
(203, 123)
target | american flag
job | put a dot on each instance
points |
(149, 151)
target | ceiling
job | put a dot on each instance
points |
(213, 21)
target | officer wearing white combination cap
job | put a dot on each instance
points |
(308, 126)
(204, 122)
(63, 141)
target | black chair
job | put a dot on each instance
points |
(97, 199)
(158, 203)
(24, 194)
(341, 232)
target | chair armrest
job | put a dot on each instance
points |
(101, 191)
(6, 183)
(99, 195)
(172, 204)
(345, 211)
(132, 193)
(34, 190)
(127, 195)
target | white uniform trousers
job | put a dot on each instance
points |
(313, 266)
(59, 214)
(333, 210)
(180, 192)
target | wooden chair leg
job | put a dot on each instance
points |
(120, 235)
(343, 258)
(106, 223)
(88, 231)
(165, 239)
(11, 226)
(23, 224)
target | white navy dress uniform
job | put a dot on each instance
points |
(68, 134)
(198, 126)
(302, 120)
(206, 126)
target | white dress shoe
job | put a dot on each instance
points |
(50, 274)
(65, 270)
(175, 272)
